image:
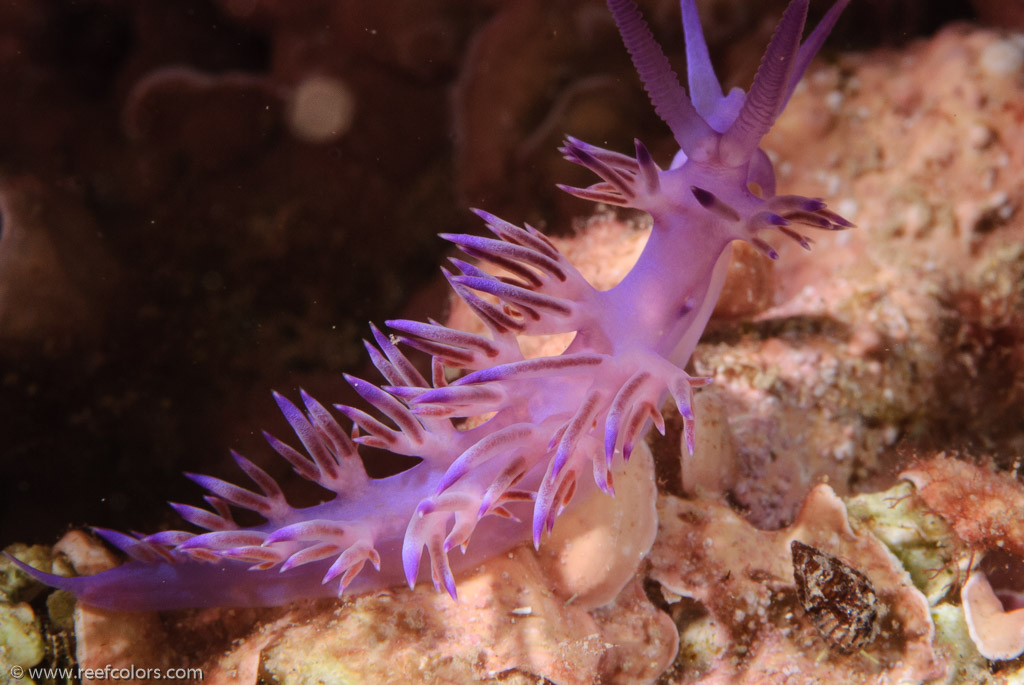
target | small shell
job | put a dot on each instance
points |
(838, 599)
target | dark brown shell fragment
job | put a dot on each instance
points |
(838, 599)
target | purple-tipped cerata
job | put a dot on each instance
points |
(557, 424)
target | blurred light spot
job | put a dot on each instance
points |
(321, 110)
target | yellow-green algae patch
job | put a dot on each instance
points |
(937, 563)
(922, 541)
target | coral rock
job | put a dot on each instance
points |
(741, 580)
(981, 505)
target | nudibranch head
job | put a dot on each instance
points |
(720, 166)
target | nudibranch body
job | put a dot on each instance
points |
(557, 424)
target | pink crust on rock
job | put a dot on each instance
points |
(983, 507)
(555, 425)
(997, 633)
(745, 579)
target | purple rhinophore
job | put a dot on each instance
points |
(557, 424)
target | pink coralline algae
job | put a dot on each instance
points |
(983, 507)
(505, 447)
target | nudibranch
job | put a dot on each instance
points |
(545, 428)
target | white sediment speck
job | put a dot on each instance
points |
(1002, 58)
(834, 100)
(848, 209)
